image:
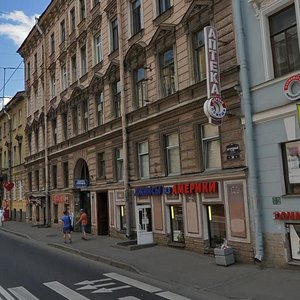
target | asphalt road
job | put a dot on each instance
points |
(31, 270)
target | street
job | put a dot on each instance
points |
(31, 270)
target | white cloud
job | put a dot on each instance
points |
(16, 25)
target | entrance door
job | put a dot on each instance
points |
(85, 203)
(176, 216)
(144, 224)
(102, 213)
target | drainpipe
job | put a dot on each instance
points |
(249, 135)
(124, 123)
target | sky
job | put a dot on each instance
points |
(17, 17)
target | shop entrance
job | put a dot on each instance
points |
(102, 213)
(216, 224)
(85, 203)
(144, 224)
(177, 228)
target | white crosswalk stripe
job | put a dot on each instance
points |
(129, 298)
(22, 294)
(5, 294)
(64, 291)
(171, 296)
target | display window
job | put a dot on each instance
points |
(177, 228)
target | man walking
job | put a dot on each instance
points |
(83, 222)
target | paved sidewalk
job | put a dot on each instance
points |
(175, 266)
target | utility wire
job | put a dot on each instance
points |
(5, 82)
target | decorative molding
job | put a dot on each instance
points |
(258, 5)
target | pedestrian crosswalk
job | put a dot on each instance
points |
(111, 284)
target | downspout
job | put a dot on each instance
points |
(249, 135)
(124, 123)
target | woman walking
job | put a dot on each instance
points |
(66, 220)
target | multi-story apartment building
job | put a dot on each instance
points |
(12, 157)
(116, 125)
(274, 83)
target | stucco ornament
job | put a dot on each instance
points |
(260, 4)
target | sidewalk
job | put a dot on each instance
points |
(175, 266)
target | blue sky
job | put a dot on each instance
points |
(16, 20)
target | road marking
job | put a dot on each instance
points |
(171, 296)
(92, 281)
(129, 298)
(133, 282)
(4, 293)
(94, 287)
(64, 291)
(105, 290)
(22, 294)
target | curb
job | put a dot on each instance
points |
(17, 233)
(94, 257)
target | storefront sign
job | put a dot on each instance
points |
(286, 215)
(214, 107)
(58, 199)
(79, 183)
(8, 185)
(291, 88)
(186, 188)
(233, 151)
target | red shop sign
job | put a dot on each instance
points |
(286, 215)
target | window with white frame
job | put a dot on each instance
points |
(162, 6)
(167, 72)
(53, 84)
(119, 163)
(99, 108)
(83, 60)
(98, 48)
(116, 87)
(62, 31)
(143, 159)
(64, 80)
(136, 16)
(85, 115)
(199, 56)
(139, 87)
(82, 9)
(211, 147)
(72, 19)
(284, 41)
(114, 35)
(101, 164)
(172, 154)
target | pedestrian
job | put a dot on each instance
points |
(66, 220)
(83, 222)
(1, 216)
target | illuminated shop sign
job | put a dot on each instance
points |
(185, 188)
(286, 215)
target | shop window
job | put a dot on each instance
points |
(143, 159)
(55, 213)
(177, 229)
(199, 56)
(173, 154)
(211, 147)
(122, 211)
(119, 164)
(284, 41)
(291, 162)
(216, 225)
(167, 72)
(101, 164)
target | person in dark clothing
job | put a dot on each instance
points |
(66, 221)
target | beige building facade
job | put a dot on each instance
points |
(115, 123)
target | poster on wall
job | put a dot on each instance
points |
(295, 240)
(293, 161)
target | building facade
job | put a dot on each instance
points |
(12, 158)
(116, 125)
(274, 65)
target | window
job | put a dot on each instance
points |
(15, 156)
(36, 135)
(74, 68)
(99, 108)
(54, 176)
(139, 85)
(291, 162)
(83, 60)
(117, 98)
(114, 34)
(211, 147)
(52, 43)
(36, 99)
(20, 116)
(167, 72)
(119, 163)
(62, 31)
(20, 152)
(64, 125)
(101, 164)
(82, 9)
(35, 62)
(177, 227)
(66, 174)
(199, 56)
(98, 49)
(14, 121)
(37, 179)
(28, 70)
(30, 181)
(136, 16)
(64, 79)
(163, 5)
(122, 212)
(172, 152)
(143, 159)
(85, 115)
(29, 143)
(72, 19)
(75, 120)
(53, 83)
(284, 41)
(54, 133)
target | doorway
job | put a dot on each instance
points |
(177, 228)
(102, 213)
(85, 203)
(144, 224)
